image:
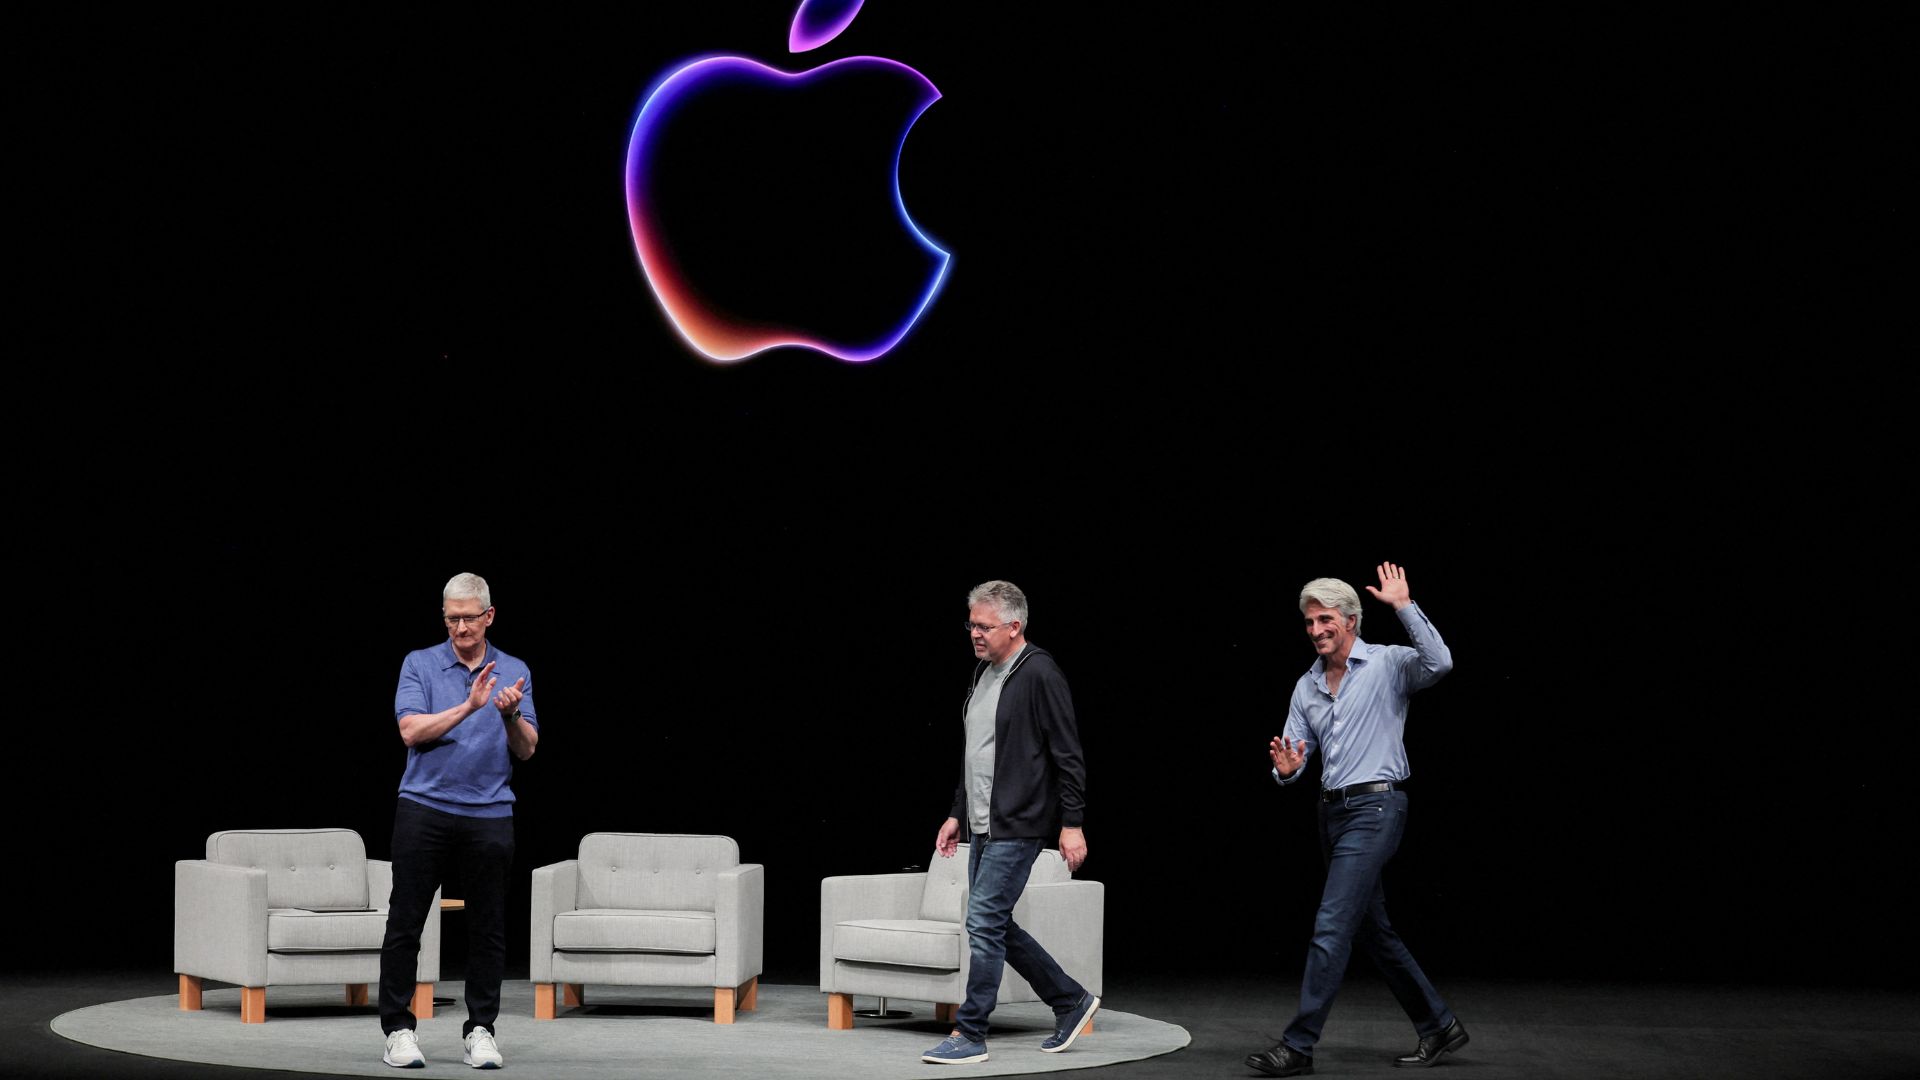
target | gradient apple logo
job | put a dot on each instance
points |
(766, 207)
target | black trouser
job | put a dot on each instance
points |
(426, 844)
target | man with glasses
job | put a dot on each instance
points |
(1021, 783)
(1351, 708)
(463, 707)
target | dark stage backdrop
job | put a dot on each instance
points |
(327, 307)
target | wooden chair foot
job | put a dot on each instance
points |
(423, 1001)
(723, 997)
(253, 1004)
(543, 1001)
(356, 993)
(750, 994)
(945, 1011)
(840, 1012)
(573, 995)
(189, 993)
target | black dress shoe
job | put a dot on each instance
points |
(1431, 1047)
(1282, 1060)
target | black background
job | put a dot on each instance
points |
(1569, 317)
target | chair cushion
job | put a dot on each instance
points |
(297, 930)
(945, 896)
(653, 871)
(627, 930)
(923, 943)
(315, 869)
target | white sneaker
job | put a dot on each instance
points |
(403, 1050)
(482, 1053)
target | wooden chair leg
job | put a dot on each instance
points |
(750, 994)
(1088, 1030)
(253, 1004)
(423, 1001)
(723, 1004)
(189, 993)
(573, 995)
(356, 993)
(543, 1001)
(945, 1011)
(840, 1012)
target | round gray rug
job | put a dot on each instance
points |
(620, 1031)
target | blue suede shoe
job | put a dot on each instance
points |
(956, 1050)
(1068, 1027)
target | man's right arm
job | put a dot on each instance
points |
(419, 728)
(1294, 745)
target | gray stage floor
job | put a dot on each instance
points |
(619, 1032)
(1521, 1030)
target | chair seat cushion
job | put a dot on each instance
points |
(301, 930)
(922, 943)
(634, 930)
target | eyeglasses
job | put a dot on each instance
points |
(981, 627)
(453, 621)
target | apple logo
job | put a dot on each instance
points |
(765, 205)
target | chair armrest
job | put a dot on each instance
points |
(864, 896)
(556, 888)
(739, 914)
(1068, 918)
(220, 922)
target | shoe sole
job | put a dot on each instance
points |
(931, 1060)
(480, 1064)
(1077, 1029)
(1308, 1071)
(419, 1063)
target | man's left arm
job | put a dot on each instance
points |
(515, 703)
(1432, 658)
(1062, 732)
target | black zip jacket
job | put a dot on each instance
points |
(1039, 776)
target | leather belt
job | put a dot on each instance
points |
(1336, 794)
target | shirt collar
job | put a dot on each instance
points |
(450, 659)
(1356, 657)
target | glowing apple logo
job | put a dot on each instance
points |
(765, 205)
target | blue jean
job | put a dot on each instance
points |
(1357, 836)
(429, 846)
(996, 876)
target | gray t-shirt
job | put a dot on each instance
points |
(981, 709)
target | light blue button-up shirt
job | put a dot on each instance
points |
(1358, 734)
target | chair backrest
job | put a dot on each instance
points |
(1049, 866)
(654, 871)
(945, 896)
(320, 869)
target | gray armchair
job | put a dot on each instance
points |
(278, 907)
(905, 935)
(649, 909)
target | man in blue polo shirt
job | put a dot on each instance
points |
(463, 707)
(1350, 710)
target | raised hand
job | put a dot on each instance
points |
(1287, 759)
(482, 687)
(1393, 586)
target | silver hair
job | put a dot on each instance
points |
(468, 587)
(1006, 598)
(1333, 594)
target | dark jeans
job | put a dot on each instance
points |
(996, 876)
(1357, 837)
(426, 844)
